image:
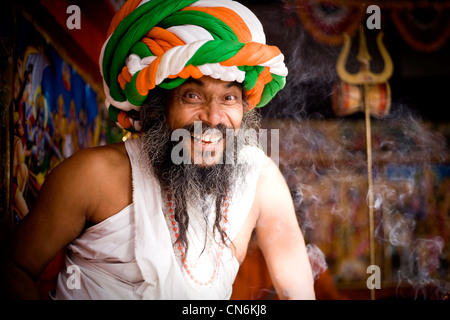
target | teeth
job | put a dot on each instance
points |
(206, 138)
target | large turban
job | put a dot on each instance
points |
(164, 42)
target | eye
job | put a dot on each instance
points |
(230, 99)
(191, 97)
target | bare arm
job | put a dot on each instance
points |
(280, 238)
(69, 197)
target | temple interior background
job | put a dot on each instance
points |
(51, 105)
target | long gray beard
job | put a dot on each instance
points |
(190, 183)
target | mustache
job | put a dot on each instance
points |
(203, 128)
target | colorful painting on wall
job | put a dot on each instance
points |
(55, 113)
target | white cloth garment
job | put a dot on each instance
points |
(130, 255)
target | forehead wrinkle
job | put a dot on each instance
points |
(201, 83)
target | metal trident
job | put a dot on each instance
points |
(366, 77)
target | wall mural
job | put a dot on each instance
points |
(55, 113)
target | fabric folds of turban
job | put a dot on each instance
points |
(164, 42)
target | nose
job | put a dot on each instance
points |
(211, 113)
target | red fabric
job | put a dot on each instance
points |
(47, 279)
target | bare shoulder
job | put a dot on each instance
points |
(270, 174)
(97, 158)
(88, 167)
(270, 167)
(272, 191)
(98, 178)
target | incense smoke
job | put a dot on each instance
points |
(324, 160)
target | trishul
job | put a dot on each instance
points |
(365, 75)
(366, 78)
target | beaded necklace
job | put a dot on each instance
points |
(180, 250)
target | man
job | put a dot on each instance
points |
(169, 215)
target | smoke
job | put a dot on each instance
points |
(400, 230)
(317, 260)
(325, 164)
(422, 268)
(323, 158)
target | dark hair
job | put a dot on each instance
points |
(152, 111)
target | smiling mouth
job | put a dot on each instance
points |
(207, 139)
